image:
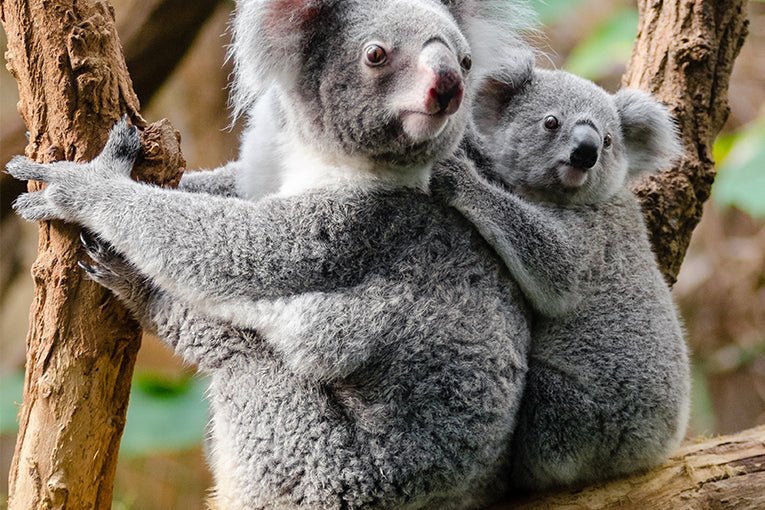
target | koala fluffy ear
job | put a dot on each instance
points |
(268, 35)
(497, 91)
(495, 30)
(650, 135)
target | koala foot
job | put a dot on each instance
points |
(112, 270)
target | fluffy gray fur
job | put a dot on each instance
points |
(608, 386)
(367, 347)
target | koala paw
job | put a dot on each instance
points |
(63, 198)
(111, 270)
(444, 182)
(36, 207)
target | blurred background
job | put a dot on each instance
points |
(720, 291)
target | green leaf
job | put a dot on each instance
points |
(164, 415)
(11, 391)
(552, 11)
(609, 45)
(741, 170)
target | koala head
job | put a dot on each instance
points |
(563, 139)
(387, 81)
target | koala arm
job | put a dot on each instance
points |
(221, 181)
(538, 248)
(198, 339)
(220, 253)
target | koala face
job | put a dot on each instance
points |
(564, 139)
(389, 86)
(382, 80)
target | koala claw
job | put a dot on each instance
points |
(92, 271)
(95, 247)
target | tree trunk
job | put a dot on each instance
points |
(156, 34)
(684, 54)
(73, 85)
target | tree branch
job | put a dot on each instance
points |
(81, 348)
(722, 473)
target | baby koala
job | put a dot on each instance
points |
(608, 386)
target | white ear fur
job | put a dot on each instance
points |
(495, 30)
(650, 135)
(266, 35)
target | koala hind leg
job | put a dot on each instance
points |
(558, 433)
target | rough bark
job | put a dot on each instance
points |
(725, 473)
(684, 54)
(73, 84)
(156, 35)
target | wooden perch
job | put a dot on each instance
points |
(725, 473)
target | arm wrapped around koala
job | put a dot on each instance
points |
(533, 241)
(220, 182)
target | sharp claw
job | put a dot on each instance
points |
(88, 241)
(86, 267)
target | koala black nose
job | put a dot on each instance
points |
(586, 147)
(584, 156)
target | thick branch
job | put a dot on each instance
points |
(684, 54)
(81, 348)
(722, 473)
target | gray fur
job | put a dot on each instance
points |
(608, 386)
(350, 368)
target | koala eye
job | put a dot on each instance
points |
(552, 123)
(375, 55)
(466, 63)
(607, 141)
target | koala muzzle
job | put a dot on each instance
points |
(586, 141)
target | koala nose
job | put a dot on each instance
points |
(586, 147)
(446, 93)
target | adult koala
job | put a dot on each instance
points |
(411, 404)
(608, 386)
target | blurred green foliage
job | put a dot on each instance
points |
(609, 45)
(11, 389)
(164, 414)
(552, 11)
(740, 181)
